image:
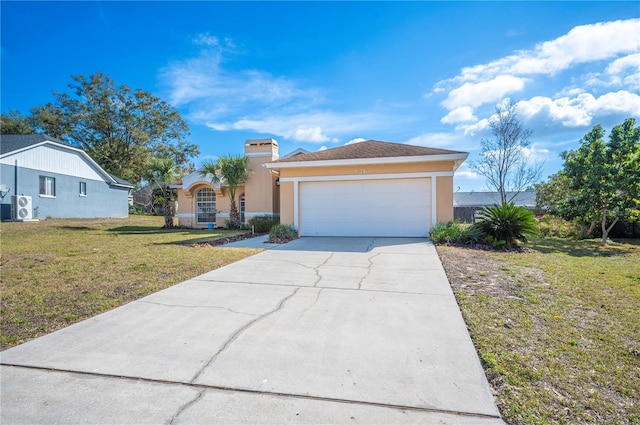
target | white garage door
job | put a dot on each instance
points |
(395, 207)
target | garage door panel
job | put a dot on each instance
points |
(395, 207)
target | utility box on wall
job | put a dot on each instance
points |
(21, 207)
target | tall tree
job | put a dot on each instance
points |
(605, 176)
(504, 162)
(232, 171)
(122, 129)
(14, 122)
(163, 172)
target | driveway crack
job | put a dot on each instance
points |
(368, 269)
(198, 306)
(317, 269)
(237, 333)
(186, 406)
(314, 302)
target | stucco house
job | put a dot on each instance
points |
(370, 188)
(42, 177)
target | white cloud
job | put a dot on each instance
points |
(472, 95)
(579, 111)
(312, 127)
(356, 140)
(322, 148)
(255, 100)
(584, 43)
(627, 63)
(309, 134)
(461, 114)
(453, 141)
(468, 174)
(475, 129)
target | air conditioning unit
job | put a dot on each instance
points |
(21, 207)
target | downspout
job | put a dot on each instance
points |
(15, 178)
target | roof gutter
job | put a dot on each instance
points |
(457, 158)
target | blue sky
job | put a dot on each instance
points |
(319, 75)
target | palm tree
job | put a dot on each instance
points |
(163, 172)
(233, 171)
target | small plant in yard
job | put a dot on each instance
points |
(262, 223)
(508, 223)
(455, 233)
(281, 233)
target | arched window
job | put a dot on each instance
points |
(242, 207)
(206, 206)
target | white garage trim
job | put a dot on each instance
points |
(368, 177)
(432, 175)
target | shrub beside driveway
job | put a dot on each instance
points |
(558, 329)
(58, 272)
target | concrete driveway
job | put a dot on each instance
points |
(320, 330)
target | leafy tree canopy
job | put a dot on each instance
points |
(604, 176)
(15, 123)
(123, 130)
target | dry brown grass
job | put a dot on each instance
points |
(557, 329)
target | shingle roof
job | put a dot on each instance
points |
(368, 149)
(14, 142)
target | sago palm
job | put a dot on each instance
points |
(507, 222)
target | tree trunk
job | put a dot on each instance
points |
(605, 230)
(234, 216)
(168, 214)
(592, 227)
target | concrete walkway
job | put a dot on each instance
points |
(320, 330)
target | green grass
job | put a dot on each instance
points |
(57, 272)
(561, 346)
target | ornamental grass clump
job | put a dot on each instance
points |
(508, 223)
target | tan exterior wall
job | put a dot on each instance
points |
(261, 192)
(187, 206)
(286, 203)
(444, 200)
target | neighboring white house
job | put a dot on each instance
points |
(42, 177)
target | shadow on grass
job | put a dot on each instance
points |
(154, 230)
(584, 248)
(77, 228)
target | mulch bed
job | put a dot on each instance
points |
(236, 238)
(222, 241)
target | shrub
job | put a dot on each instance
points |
(232, 225)
(455, 233)
(549, 225)
(282, 233)
(262, 223)
(507, 223)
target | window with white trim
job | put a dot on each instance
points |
(47, 186)
(206, 206)
(83, 189)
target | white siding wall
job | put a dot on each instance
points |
(51, 159)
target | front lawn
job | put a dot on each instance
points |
(57, 272)
(557, 329)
